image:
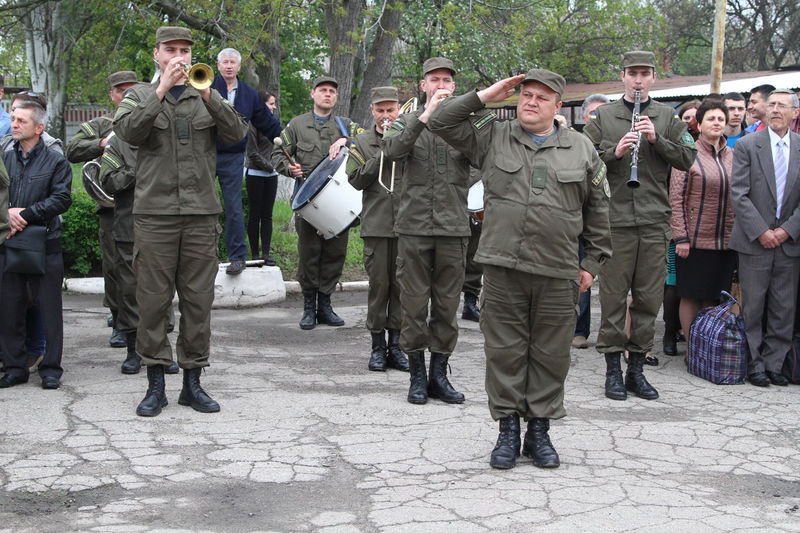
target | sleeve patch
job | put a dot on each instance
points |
(357, 155)
(111, 160)
(687, 139)
(600, 176)
(285, 138)
(130, 102)
(88, 129)
(484, 121)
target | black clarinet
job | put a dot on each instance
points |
(633, 181)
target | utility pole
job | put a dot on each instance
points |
(718, 48)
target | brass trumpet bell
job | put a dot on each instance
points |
(200, 76)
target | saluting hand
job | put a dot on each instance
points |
(500, 90)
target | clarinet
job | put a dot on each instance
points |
(633, 181)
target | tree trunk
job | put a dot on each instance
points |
(47, 50)
(342, 20)
(379, 62)
(269, 51)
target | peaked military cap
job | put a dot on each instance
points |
(325, 79)
(123, 76)
(550, 79)
(383, 94)
(435, 63)
(165, 34)
(639, 58)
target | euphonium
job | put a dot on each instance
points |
(633, 181)
(409, 107)
(200, 75)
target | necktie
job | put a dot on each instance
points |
(781, 166)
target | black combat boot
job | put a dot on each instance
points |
(118, 339)
(132, 363)
(172, 368)
(193, 395)
(377, 359)
(471, 311)
(325, 312)
(418, 390)
(155, 398)
(615, 389)
(438, 385)
(506, 451)
(309, 320)
(537, 444)
(635, 380)
(397, 359)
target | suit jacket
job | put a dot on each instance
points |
(753, 194)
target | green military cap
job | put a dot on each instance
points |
(123, 76)
(325, 79)
(554, 81)
(383, 94)
(639, 58)
(165, 34)
(436, 63)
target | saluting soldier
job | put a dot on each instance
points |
(377, 230)
(544, 186)
(88, 144)
(640, 230)
(433, 230)
(176, 128)
(309, 138)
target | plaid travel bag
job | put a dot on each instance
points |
(717, 347)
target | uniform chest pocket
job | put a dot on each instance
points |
(305, 150)
(203, 122)
(161, 122)
(571, 187)
(498, 180)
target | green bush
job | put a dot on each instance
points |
(82, 254)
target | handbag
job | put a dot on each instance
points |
(25, 251)
(717, 348)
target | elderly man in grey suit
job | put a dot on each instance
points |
(766, 199)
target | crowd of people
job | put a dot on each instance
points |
(714, 198)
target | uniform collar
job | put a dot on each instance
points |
(560, 139)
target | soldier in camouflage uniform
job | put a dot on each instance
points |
(544, 186)
(377, 230)
(308, 139)
(640, 230)
(176, 128)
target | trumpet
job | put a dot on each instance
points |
(409, 107)
(200, 76)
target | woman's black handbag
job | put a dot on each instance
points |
(25, 251)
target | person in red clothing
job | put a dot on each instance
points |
(702, 216)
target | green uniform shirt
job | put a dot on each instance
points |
(118, 178)
(433, 191)
(538, 199)
(649, 203)
(85, 145)
(308, 142)
(379, 205)
(5, 181)
(177, 141)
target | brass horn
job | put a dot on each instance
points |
(409, 107)
(200, 75)
(91, 184)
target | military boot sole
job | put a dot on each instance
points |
(502, 463)
(417, 400)
(332, 323)
(617, 395)
(130, 370)
(539, 463)
(451, 399)
(154, 412)
(644, 396)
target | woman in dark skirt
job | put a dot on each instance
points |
(702, 216)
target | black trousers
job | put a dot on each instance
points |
(18, 292)
(261, 193)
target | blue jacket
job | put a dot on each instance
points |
(250, 106)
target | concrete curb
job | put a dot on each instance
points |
(254, 287)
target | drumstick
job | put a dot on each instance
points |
(277, 141)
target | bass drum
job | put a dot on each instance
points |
(475, 202)
(326, 199)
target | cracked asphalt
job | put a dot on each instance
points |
(308, 440)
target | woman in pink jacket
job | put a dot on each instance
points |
(702, 216)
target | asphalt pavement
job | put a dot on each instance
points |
(308, 440)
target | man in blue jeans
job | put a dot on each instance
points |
(230, 158)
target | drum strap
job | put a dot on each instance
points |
(340, 123)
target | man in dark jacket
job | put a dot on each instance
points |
(39, 191)
(230, 157)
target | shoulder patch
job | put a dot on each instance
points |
(484, 121)
(285, 137)
(357, 155)
(111, 160)
(599, 176)
(606, 189)
(687, 139)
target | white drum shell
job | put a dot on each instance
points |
(334, 208)
(475, 198)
